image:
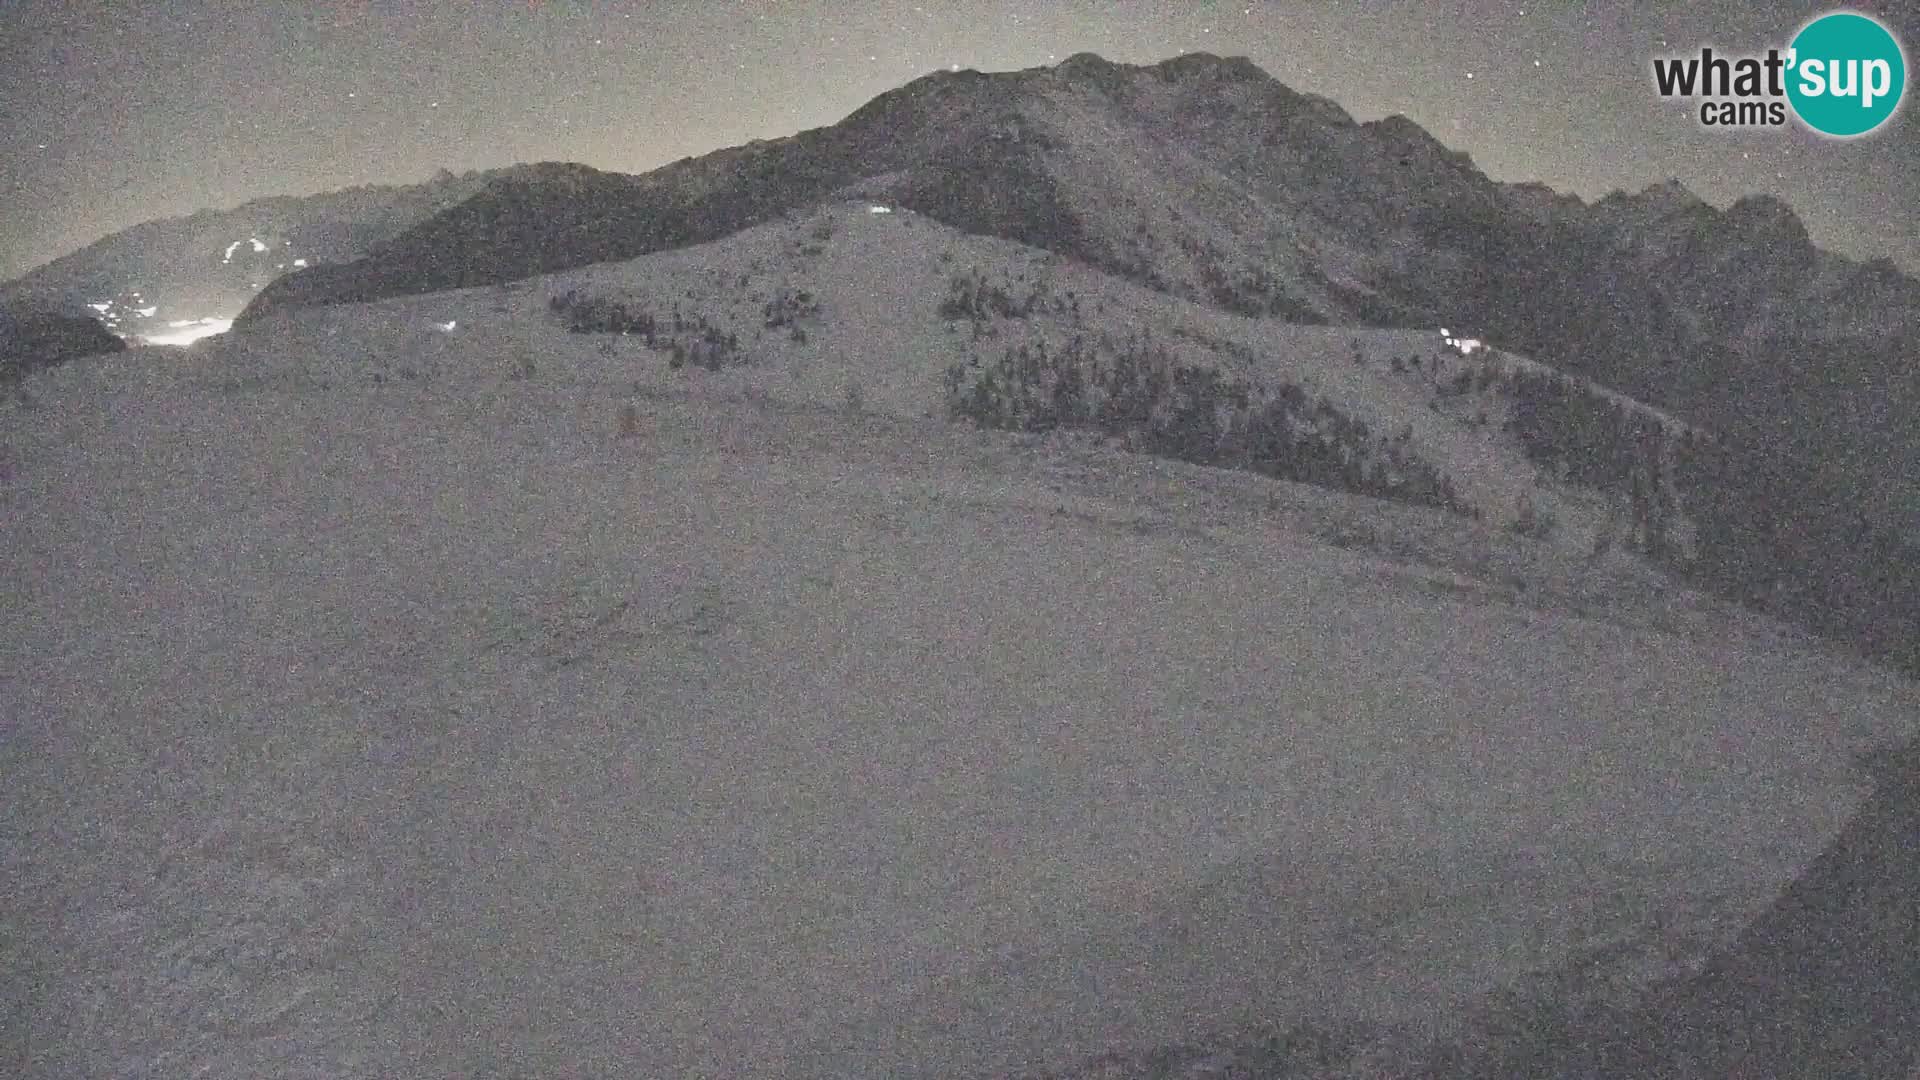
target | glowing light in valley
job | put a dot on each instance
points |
(879, 209)
(448, 325)
(188, 331)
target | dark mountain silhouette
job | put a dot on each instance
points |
(210, 264)
(31, 342)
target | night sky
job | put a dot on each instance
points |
(112, 113)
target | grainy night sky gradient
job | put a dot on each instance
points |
(119, 112)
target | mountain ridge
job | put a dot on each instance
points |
(210, 263)
(1206, 178)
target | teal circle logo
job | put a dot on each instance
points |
(1846, 74)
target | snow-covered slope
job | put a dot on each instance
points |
(419, 688)
(1205, 177)
(848, 302)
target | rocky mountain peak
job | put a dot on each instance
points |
(1671, 193)
(1205, 66)
(1768, 222)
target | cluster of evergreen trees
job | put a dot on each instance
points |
(1192, 413)
(1777, 534)
(685, 340)
(1252, 291)
(788, 308)
(973, 297)
(1595, 441)
(1771, 529)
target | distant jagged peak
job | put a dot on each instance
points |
(1400, 128)
(1544, 203)
(1091, 67)
(1669, 196)
(1204, 72)
(1671, 192)
(1762, 208)
(1542, 192)
(539, 171)
(1206, 65)
(1884, 272)
(1184, 66)
(1402, 136)
(1767, 222)
(550, 177)
(1093, 71)
(1086, 63)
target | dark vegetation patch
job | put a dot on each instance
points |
(1138, 390)
(685, 338)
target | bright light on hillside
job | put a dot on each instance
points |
(188, 331)
(1465, 346)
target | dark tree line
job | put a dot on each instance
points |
(974, 297)
(1251, 290)
(1192, 413)
(1595, 441)
(1778, 534)
(1773, 529)
(685, 340)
